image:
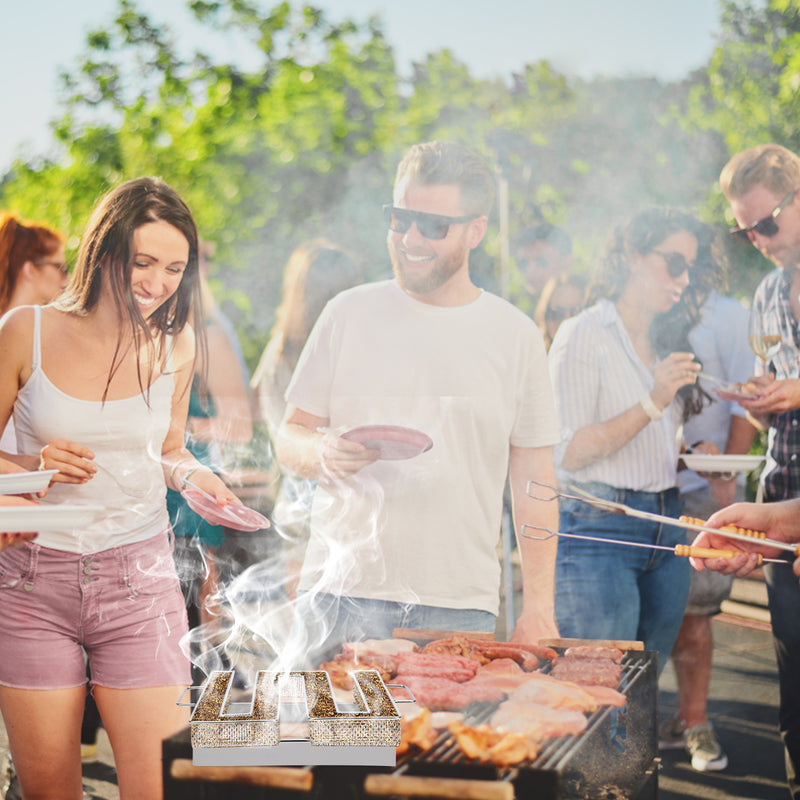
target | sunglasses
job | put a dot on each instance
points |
(767, 226)
(431, 226)
(676, 263)
(560, 313)
(59, 265)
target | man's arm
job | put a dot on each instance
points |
(537, 619)
(780, 521)
(305, 448)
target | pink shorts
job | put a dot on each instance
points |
(122, 607)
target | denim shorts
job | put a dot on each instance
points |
(121, 607)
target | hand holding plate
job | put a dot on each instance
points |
(775, 397)
(229, 514)
(205, 480)
(341, 458)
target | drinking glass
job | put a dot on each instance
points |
(764, 335)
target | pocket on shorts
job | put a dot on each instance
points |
(14, 567)
(153, 577)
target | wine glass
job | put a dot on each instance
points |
(764, 336)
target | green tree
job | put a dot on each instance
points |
(299, 136)
(261, 156)
(748, 96)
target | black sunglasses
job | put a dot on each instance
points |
(59, 265)
(431, 226)
(560, 313)
(767, 226)
(676, 263)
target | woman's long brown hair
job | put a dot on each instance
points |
(106, 253)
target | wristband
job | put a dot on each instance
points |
(185, 476)
(175, 466)
(650, 408)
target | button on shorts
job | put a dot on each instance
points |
(122, 606)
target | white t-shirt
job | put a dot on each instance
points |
(474, 378)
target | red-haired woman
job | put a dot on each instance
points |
(32, 272)
(32, 266)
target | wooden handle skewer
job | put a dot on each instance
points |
(449, 788)
(678, 549)
(708, 552)
(294, 778)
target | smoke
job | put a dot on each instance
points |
(253, 620)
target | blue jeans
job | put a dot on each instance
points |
(323, 622)
(783, 593)
(608, 591)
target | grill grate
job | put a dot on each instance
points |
(617, 749)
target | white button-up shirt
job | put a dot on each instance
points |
(596, 375)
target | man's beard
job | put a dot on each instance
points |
(443, 268)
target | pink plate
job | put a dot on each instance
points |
(393, 441)
(233, 515)
(735, 396)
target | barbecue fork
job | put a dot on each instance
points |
(680, 550)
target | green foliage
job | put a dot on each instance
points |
(747, 96)
(298, 137)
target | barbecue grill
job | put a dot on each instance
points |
(615, 758)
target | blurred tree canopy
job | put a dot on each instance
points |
(298, 136)
(747, 96)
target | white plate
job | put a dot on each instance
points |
(25, 482)
(21, 519)
(700, 462)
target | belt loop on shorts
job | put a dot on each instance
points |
(123, 565)
(30, 570)
(666, 496)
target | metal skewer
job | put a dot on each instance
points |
(621, 508)
(719, 381)
(679, 549)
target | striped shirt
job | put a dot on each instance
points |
(781, 474)
(596, 375)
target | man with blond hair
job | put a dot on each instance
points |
(412, 543)
(762, 185)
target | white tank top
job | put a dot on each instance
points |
(126, 437)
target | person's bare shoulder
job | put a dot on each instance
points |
(16, 331)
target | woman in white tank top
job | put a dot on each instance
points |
(98, 383)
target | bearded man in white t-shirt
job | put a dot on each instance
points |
(412, 542)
